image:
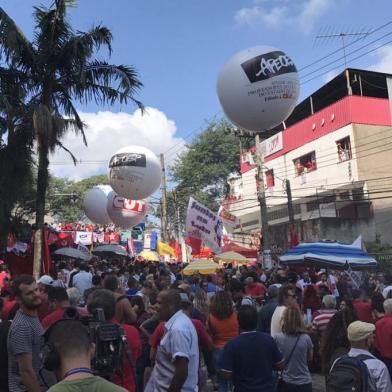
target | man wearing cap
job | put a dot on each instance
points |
(361, 337)
(45, 282)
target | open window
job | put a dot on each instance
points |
(269, 178)
(344, 149)
(305, 164)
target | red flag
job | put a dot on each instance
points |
(293, 238)
(114, 238)
(64, 240)
(52, 238)
(195, 243)
(177, 249)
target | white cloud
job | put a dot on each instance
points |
(107, 132)
(384, 64)
(278, 15)
(258, 16)
(312, 11)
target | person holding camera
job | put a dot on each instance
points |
(71, 358)
(105, 300)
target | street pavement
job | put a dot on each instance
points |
(318, 383)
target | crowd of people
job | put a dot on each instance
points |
(242, 328)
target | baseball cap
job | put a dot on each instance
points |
(46, 280)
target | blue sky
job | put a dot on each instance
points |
(179, 47)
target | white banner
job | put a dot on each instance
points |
(272, 145)
(99, 237)
(227, 218)
(204, 224)
(83, 237)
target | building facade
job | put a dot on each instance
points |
(336, 152)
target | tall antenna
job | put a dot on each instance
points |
(343, 35)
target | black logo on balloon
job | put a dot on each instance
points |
(268, 65)
(128, 159)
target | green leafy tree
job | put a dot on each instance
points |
(202, 170)
(16, 144)
(58, 69)
(65, 197)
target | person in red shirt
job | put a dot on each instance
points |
(254, 289)
(362, 307)
(9, 302)
(58, 302)
(105, 300)
(5, 276)
(384, 335)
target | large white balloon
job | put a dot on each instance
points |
(125, 213)
(95, 202)
(258, 88)
(134, 172)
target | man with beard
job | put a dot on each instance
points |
(25, 338)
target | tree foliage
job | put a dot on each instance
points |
(56, 70)
(65, 197)
(204, 167)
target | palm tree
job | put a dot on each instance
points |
(58, 69)
(16, 143)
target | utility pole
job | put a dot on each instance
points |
(163, 201)
(290, 204)
(179, 231)
(265, 243)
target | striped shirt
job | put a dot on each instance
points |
(25, 336)
(321, 321)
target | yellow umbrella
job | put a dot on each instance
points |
(231, 257)
(201, 266)
(150, 255)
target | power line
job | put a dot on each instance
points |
(290, 171)
(348, 54)
(340, 65)
(336, 201)
(348, 45)
(334, 153)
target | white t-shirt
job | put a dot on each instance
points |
(276, 321)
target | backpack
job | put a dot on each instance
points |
(349, 374)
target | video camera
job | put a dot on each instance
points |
(110, 345)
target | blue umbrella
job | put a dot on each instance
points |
(328, 255)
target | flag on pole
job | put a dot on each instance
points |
(203, 224)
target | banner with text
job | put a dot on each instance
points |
(203, 224)
(228, 219)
